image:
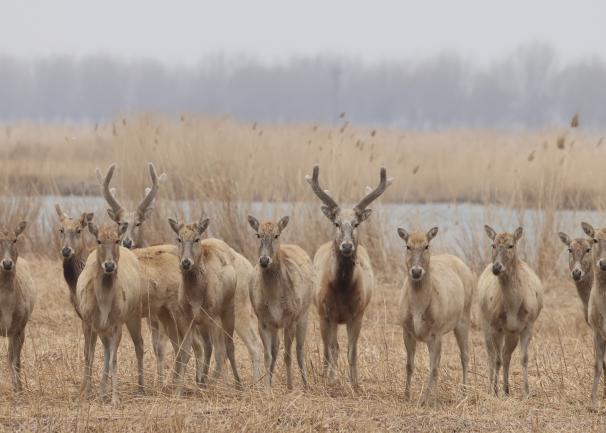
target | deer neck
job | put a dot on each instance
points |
(72, 268)
(584, 288)
(271, 275)
(7, 280)
(421, 290)
(509, 281)
(600, 282)
(195, 282)
(344, 269)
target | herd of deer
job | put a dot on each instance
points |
(197, 293)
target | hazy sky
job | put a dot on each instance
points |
(182, 32)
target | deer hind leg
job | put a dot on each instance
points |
(353, 333)
(228, 322)
(461, 332)
(266, 337)
(106, 365)
(134, 329)
(411, 348)
(246, 329)
(493, 349)
(159, 343)
(114, 344)
(15, 344)
(301, 332)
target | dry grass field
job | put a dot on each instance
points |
(220, 166)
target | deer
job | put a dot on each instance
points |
(511, 299)
(132, 228)
(281, 293)
(344, 279)
(109, 296)
(597, 304)
(17, 298)
(436, 299)
(207, 298)
(581, 270)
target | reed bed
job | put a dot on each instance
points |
(227, 169)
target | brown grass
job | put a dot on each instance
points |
(231, 164)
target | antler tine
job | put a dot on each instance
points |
(374, 194)
(153, 191)
(317, 189)
(107, 194)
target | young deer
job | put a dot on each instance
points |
(17, 297)
(132, 225)
(436, 299)
(206, 295)
(344, 280)
(281, 293)
(109, 295)
(581, 269)
(511, 298)
(597, 304)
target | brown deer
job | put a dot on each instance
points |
(597, 304)
(133, 236)
(344, 279)
(511, 299)
(109, 295)
(281, 293)
(17, 297)
(206, 294)
(580, 264)
(436, 299)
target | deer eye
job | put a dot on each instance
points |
(588, 250)
(493, 246)
(179, 240)
(408, 247)
(197, 240)
(15, 241)
(276, 236)
(258, 236)
(355, 225)
(78, 231)
(118, 242)
(426, 247)
(138, 224)
(61, 230)
(570, 250)
(337, 224)
(510, 246)
(98, 241)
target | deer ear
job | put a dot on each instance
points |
(403, 234)
(202, 225)
(432, 233)
(93, 229)
(20, 227)
(588, 229)
(60, 212)
(253, 222)
(564, 238)
(490, 232)
(175, 225)
(363, 215)
(329, 213)
(85, 218)
(517, 234)
(283, 223)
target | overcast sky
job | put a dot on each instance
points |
(182, 32)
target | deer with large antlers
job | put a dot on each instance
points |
(344, 279)
(131, 225)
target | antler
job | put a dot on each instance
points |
(322, 194)
(373, 195)
(150, 193)
(107, 193)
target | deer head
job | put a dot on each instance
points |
(268, 234)
(188, 241)
(9, 253)
(346, 221)
(579, 256)
(108, 246)
(417, 252)
(70, 232)
(598, 237)
(504, 249)
(131, 220)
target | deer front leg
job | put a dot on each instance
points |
(411, 349)
(353, 333)
(15, 344)
(511, 341)
(435, 353)
(265, 334)
(331, 347)
(301, 332)
(599, 348)
(134, 329)
(114, 344)
(289, 336)
(524, 342)
(90, 341)
(159, 342)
